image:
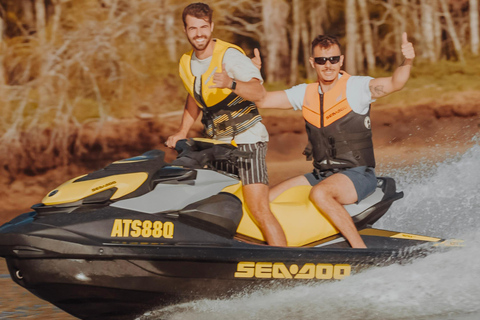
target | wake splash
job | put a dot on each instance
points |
(441, 200)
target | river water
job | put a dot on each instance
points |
(441, 199)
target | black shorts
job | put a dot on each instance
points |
(252, 169)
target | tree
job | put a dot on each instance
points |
(2, 71)
(367, 35)
(427, 22)
(296, 10)
(474, 26)
(451, 30)
(275, 14)
(170, 39)
(41, 21)
(351, 36)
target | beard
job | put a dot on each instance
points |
(201, 46)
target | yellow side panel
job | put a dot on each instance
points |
(398, 235)
(301, 221)
(415, 237)
(72, 191)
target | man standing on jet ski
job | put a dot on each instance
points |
(222, 82)
(336, 109)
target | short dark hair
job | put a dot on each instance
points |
(325, 41)
(198, 10)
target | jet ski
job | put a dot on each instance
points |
(142, 234)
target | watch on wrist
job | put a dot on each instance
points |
(234, 85)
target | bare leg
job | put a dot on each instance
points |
(287, 184)
(330, 195)
(256, 198)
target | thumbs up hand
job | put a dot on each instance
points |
(256, 60)
(407, 48)
(221, 80)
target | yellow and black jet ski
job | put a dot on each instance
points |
(142, 233)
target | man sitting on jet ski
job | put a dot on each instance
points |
(336, 109)
(228, 110)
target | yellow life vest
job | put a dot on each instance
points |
(224, 112)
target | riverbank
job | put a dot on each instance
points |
(402, 136)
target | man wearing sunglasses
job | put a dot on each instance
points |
(336, 110)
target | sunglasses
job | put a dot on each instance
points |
(323, 60)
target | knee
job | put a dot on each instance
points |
(320, 193)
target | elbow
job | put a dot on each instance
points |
(260, 96)
(398, 86)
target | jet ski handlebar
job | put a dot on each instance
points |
(198, 152)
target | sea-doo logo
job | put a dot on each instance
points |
(278, 270)
(146, 229)
(335, 112)
(104, 186)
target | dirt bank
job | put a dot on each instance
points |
(401, 135)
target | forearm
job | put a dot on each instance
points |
(274, 100)
(252, 90)
(401, 75)
(190, 115)
(381, 87)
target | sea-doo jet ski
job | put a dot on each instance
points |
(142, 233)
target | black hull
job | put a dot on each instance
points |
(122, 285)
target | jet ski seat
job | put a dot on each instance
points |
(304, 223)
(300, 219)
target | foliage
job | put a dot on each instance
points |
(101, 59)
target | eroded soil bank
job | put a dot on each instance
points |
(402, 136)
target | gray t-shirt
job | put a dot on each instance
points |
(359, 96)
(238, 67)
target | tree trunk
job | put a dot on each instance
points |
(40, 21)
(275, 13)
(428, 30)
(169, 27)
(415, 14)
(317, 18)
(437, 26)
(296, 10)
(307, 39)
(317, 15)
(367, 35)
(359, 56)
(474, 26)
(57, 14)
(28, 17)
(400, 15)
(451, 30)
(2, 69)
(351, 36)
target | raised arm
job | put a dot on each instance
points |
(381, 87)
(190, 115)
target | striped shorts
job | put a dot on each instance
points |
(252, 169)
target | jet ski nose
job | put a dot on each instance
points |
(20, 220)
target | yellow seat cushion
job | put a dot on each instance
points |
(301, 221)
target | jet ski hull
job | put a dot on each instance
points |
(118, 285)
